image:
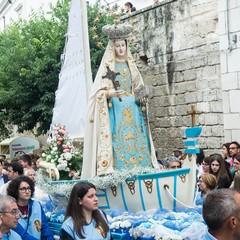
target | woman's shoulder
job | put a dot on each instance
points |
(34, 203)
(67, 231)
(68, 222)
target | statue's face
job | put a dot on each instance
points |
(120, 48)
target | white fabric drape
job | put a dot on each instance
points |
(75, 77)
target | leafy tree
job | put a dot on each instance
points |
(30, 63)
(29, 68)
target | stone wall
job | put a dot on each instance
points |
(176, 47)
(229, 34)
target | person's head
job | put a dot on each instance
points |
(128, 6)
(236, 163)
(225, 150)
(206, 164)
(207, 182)
(25, 160)
(120, 46)
(34, 158)
(9, 213)
(234, 149)
(31, 174)
(83, 200)
(155, 1)
(83, 197)
(217, 165)
(177, 153)
(21, 188)
(173, 163)
(14, 169)
(221, 212)
(14, 160)
(34, 164)
(200, 157)
(3, 160)
(3, 157)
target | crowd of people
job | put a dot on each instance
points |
(27, 219)
(214, 171)
(23, 217)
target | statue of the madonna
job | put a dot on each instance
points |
(118, 134)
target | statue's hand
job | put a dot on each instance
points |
(144, 100)
(115, 93)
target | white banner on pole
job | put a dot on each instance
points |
(75, 78)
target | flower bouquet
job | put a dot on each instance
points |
(63, 154)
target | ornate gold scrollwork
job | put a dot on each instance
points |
(149, 185)
(183, 177)
(114, 190)
(131, 186)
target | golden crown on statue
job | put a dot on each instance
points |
(117, 31)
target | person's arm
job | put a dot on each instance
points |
(46, 233)
(23, 233)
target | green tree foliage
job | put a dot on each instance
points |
(29, 68)
(30, 54)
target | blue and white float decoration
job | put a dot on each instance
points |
(160, 193)
(168, 189)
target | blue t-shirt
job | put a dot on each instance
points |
(90, 232)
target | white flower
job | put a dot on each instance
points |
(67, 156)
(115, 225)
(55, 148)
(62, 166)
(125, 224)
(44, 155)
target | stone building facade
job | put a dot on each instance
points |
(229, 36)
(180, 51)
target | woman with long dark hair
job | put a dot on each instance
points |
(219, 168)
(83, 220)
(225, 151)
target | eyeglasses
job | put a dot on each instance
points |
(13, 212)
(24, 190)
